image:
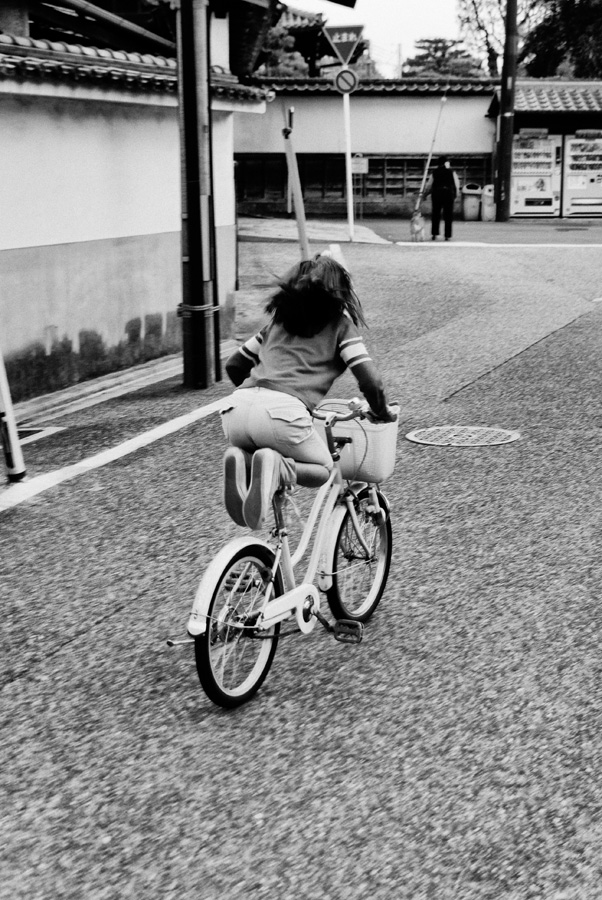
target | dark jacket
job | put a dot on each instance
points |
(443, 181)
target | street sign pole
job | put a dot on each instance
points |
(344, 42)
(347, 121)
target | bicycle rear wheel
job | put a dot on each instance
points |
(359, 577)
(233, 658)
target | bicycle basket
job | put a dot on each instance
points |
(371, 454)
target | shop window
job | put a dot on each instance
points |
(389, 178)
(312, 177)
(275, 178)
(334, 177)
(395, 178)
(374, 181)
(250, 179)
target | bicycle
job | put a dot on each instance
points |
(249, 589)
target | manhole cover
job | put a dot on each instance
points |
(462, 436)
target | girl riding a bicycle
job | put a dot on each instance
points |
(282, 374)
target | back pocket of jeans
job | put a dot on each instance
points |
(299, 423)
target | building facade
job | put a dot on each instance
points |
(557, 152)
(392, 128)
(90, 255)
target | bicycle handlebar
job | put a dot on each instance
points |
(358, 409)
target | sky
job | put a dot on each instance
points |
(391, 26)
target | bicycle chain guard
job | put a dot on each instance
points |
(348, 632)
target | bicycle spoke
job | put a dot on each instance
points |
(359, 577)
(231, 665)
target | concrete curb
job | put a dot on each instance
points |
(106, 387)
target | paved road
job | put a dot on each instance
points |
(454, 754)
(523, 232)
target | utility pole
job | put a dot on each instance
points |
(198, 310)
(506, 119)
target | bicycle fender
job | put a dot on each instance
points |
(326, 562)
(197, 622)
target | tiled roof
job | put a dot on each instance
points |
(297, 18)
(402, 86)
(25, 58)
(563, 97)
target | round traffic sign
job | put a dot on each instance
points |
(346, 81)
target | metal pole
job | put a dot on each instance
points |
(295, 182)
(201, 41)
(213, 237)
(8, 429)
(186, 101)
(430, 156)
(504, 155)
(197, 307)
(347, 121)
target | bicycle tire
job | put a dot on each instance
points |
(232, 659)
(358, 582)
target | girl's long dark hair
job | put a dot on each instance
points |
(312, 294)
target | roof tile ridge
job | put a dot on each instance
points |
(87, 52)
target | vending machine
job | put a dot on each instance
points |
(582, 182)
(536, 173)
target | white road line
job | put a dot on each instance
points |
(25, 490)
(454, 243)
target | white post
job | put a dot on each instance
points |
(295, 183)
(347, 120)
(10, 436)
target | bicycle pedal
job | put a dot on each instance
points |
(348, 632)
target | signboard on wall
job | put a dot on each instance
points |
(359, 164)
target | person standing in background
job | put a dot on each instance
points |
(443, 187)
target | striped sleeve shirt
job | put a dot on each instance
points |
(304, 367)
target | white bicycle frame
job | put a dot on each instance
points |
(301, 601)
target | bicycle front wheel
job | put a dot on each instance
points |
(233, 657)
(359, 575)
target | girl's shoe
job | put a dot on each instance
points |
(236, 464)
(269, 472)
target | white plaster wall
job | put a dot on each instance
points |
(379, 125)
(59, 290)
(224, 205)
(220, 42)
(223, 168)
(80, 171)
(90, 201)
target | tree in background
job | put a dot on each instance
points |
(483, 27)
(365, 66)
(279, 57)
(568, 42)
(440, 56)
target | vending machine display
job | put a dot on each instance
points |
(582, 187)
(535, 177)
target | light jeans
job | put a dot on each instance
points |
(258, 417)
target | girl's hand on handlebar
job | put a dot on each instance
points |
(389, 416)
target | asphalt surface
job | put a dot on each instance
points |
(455, 752)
